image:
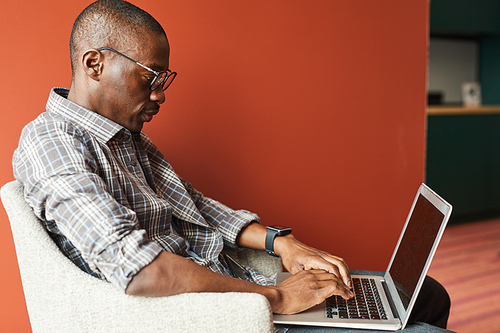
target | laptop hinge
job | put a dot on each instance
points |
(389, 298)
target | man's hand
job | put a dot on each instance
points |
(306, 289)
(297, 256)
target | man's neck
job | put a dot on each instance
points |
(79, 98)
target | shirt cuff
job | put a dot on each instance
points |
(122, 260)
(237, 222)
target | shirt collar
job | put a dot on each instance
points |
(101, 127)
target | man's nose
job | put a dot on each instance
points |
(157, 95)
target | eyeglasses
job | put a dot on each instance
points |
(163, 78)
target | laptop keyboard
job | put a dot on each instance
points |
(366, 303)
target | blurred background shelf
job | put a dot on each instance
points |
(444, 110)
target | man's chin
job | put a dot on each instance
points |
(137, 128)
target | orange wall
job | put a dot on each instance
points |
(310, 113)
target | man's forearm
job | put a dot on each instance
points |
(252, 236)
(170, 274)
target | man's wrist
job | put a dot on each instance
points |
(281, 243)
(275, 298)
(273, 232)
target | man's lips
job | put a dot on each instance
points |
(147, 117)
(149, 112)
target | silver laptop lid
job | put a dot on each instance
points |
(417, 244)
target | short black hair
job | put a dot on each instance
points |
(109, 23)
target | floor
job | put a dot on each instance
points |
(467, 263)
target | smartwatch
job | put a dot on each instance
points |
(272, 232)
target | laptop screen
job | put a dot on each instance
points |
(415, 246)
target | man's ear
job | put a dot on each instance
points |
(92, 63)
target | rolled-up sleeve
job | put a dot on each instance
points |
(63, 186)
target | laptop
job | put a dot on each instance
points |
(395, 292)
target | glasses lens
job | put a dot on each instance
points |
(168, 80)
(158, 80)
(163, 79)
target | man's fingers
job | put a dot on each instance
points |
(335, 287)
(333, 284)
(297, 256)
(333, 265)
(308, 288)
(339, 268)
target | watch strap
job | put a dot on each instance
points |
(272, 232)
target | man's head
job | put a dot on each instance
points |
(117, 49)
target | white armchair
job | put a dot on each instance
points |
(62, 298)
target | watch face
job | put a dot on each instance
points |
(279, 230)
(278, 227)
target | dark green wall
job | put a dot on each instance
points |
(465, 17)
(490, 69)
(463, 152)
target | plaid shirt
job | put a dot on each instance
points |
(111, 201)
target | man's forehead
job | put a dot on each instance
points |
(152, 51)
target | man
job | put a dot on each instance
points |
(112, 202)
